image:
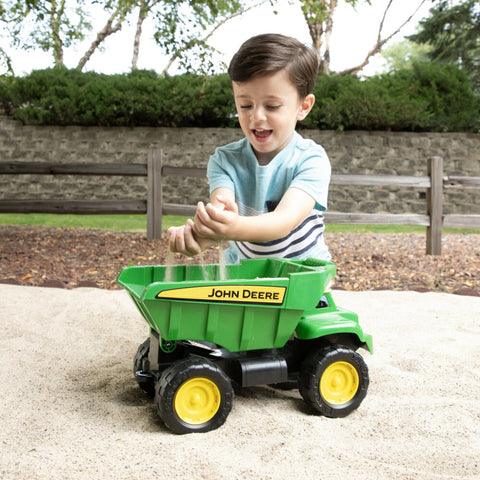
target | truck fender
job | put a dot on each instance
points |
(336, 321)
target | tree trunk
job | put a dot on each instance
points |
(107, 30)
(142, 14)
(328, 36)
(316, 32)
(55, 16)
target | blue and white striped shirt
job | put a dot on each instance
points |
(302, 164)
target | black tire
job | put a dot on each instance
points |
(139, 364)
(334, 381)
(193, 395)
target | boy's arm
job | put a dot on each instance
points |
(220, 220)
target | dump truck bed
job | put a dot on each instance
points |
(256, 304)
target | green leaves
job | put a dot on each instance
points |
(428, 97)
(182, 28)
(50, 25)
(141, 98)
(453, 33)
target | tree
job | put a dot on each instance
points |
(405, 54)
(319, 17)
(59, 24)
(118, 11)
(453, 33)
(199, 41)
(56, 25)
(143, 10)
(186, 25)
(5, 63)
(5, 60)
(181, 26)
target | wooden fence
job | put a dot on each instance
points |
(434, 183)
(151, 205)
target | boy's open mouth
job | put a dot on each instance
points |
(262, 135)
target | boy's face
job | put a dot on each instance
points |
(268, 109)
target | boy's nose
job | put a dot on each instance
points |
(259, 114)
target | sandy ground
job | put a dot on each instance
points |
(72, 410)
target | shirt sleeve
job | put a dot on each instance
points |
(218, 174)
(313, 175)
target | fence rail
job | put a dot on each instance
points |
(434, 183)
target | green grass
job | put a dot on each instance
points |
(125, 223)
(122, 223)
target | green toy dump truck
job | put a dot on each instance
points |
(260, 322)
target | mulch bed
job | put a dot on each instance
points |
(76, 257)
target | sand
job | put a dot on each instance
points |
(71, 408)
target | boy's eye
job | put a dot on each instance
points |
(267, 107)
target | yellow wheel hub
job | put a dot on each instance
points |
(197, 401)
(339, 383)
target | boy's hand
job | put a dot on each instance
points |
(217, 222)
(183, 240)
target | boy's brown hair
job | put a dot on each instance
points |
(269, 53)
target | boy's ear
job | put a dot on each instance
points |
(306, 106)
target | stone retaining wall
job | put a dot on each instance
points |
(356, 152)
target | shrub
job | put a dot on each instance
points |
(141, 98)
(349, 103)
(451, 103)
(428, 97)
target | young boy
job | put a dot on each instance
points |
(269, 190)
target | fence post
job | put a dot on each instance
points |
(435, 206)
(154, 198)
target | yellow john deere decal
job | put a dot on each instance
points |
(259, 294)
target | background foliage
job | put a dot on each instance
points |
(427, 97)
(452, 33)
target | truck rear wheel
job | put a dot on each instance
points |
(138, 364)
(193, 395)
(334, 381)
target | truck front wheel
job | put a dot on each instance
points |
(193, 395)
(334, 381)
